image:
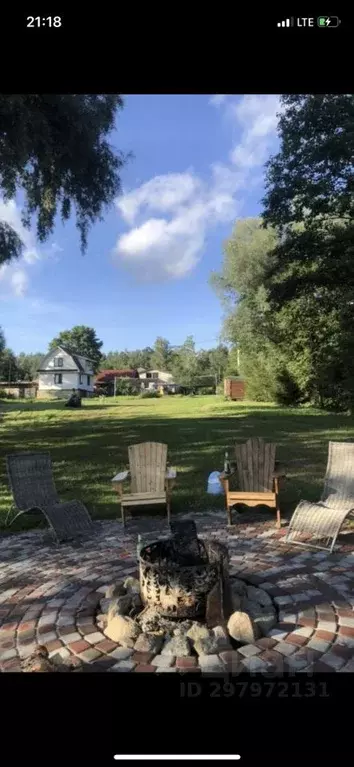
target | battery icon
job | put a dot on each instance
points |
(328, 21)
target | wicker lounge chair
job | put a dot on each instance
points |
(32, 484)
(323, 520)
(151, 481)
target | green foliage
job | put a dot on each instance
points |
(125, 387)
(248, 321)
(310, 279)
(6, 395)
(28, 365)
(9, 370)
(150, 394)
(161, 357)
(55, 149)
(287, 391)
(83, 340)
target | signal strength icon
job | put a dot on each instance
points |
(286, 23)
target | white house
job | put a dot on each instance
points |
(155, 379)
(61, 371)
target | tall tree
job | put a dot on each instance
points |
(310, 280)
(81, 339)
(161, 357)
(248, 321)
(28, 365)
(55, 150)
(9, 371)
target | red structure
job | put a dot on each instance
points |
(108, 376)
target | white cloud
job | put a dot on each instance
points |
(15, 273)
(217, 100)
(19, 282)
(170, 245)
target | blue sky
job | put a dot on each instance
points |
(197, 167)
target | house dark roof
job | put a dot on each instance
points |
(74, 356)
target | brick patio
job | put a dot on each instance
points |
(49, 595)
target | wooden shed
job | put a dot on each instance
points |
(234, 387)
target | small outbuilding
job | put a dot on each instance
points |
(234, 387)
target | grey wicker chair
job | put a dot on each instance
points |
(323, 520)
(32, 484)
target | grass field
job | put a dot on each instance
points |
(89, 446)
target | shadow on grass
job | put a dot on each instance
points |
(88, 451)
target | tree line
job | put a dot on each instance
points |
(186, 364)
(287, 279)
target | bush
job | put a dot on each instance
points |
(125, 387)
(287, 391)
(6, 395)
(150, 394)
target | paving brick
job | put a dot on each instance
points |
(7, 654)
(45, 638)
(296, 639)
(266, 643)
(123, 666)
(332, 660)
(89, 655)
(94, 638)
(79, 646)
(164, 660)
(106, 646)
(330, 626)
(163, 669)
(65, 630)
(318, 644)
(248, 650)
(121, 653)
(348, 622)
(277, 634)
(308, 622)
(186, 662)
(146, 668)
(143, 658)
(69, 638)
(231, 659)
(254, 664)
(286, 648)
(343, 651)
(211, 664)
(304, 631)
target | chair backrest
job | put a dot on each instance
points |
(147, 462)
(338, 488)
(31, 480)
(255, 461)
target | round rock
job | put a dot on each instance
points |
(119, 606)
(178, 645)
(149, 643)
(243, 628)
(123, 630)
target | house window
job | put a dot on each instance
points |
(148, 375)
(80, 379)
(154, 375)
(58, 378)
(58, 362)
(88, 380)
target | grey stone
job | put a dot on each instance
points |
(117, 590)
(119, 606)
(243, 628)
(260, 596)
(123, 630)
(149, 643)
(238, 590)
(177, 645)
(132, 585)
(207, 645)
(265, 616)
(104, 605)
(197, 631)
(222, 637)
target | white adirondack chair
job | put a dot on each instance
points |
(151, 481)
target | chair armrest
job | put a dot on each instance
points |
(121, 477)
(171, 473)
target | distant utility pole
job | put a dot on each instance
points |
(115, 386)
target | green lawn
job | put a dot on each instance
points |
(89, 446)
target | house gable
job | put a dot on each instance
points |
(70, 362)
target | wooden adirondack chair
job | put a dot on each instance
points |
(151, 482)
(258, 479)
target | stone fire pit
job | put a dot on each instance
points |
(185, 602)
